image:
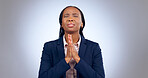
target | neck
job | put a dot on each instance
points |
(75, 37)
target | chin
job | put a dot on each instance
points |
(71, 31)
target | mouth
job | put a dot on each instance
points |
(70, 25)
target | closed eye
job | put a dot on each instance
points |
(66, 15)
(75, 14)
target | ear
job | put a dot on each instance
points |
(82, 25)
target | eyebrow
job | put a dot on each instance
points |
(66, 14)
(72, 14)
(75, 14)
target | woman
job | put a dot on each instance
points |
(71, 56)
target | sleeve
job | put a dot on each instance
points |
(94, 71)
(47, 70)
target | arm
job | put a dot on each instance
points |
(47, 70)
(97, 70)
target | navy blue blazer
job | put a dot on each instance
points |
(53, 64)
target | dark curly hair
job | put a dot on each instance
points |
(61, 33)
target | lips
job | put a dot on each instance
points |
(70, 25)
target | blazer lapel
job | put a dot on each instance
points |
(60, 48)
(82, 47)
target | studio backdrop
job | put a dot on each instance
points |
(119, 26)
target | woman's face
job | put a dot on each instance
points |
(71, 20)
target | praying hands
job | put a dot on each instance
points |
(71, 51)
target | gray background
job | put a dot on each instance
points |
(119, 26)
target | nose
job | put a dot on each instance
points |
(70, 20)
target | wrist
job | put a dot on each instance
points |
(67, 59)
(77, 59)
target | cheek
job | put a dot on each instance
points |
(63, 22)
(78, 22)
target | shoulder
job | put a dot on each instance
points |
(50, 43)
(91, 42)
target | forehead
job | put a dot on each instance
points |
(71, 10)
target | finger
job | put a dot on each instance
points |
(70, 50)
(70, 39)
(74, 51)
(70, 54)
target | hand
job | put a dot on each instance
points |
(68, 55)
(72, 50)
(69, 50)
